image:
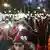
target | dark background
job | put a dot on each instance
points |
(16, 3)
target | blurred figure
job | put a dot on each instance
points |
(22, 45)
(3, 35)
(17, 46)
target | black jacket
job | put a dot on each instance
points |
(4, 44)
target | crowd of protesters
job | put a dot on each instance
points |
(32, 25)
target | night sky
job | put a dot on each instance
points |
(16, 3)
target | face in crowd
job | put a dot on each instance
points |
(18, 46)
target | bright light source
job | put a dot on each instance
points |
(38, 7)
(20, 27)
(6, 5)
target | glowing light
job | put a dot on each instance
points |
(38, 7)
(6, 5)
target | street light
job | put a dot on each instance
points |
(38, 7)
(6, 5)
